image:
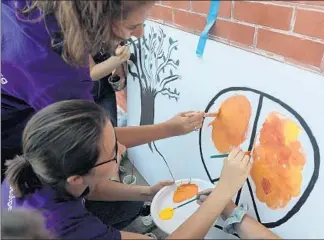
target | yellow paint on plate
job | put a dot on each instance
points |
(291, 132)
(166, 213)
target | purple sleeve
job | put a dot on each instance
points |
(88, 227)
(34, 72)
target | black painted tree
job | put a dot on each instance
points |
(154, 69)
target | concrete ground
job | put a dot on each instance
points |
(137, 226)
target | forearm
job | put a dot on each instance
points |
(248, 228)
(135, 136)
(206, 216)
(131, 235)
(115, 191)
(104, 68)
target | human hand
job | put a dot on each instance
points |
(201, 196)
(121, 71)
(185, 122)
(152, 190)
(235, 171)
(122, 54)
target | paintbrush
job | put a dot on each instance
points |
(226, 155)
(198, 197)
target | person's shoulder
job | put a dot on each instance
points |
(20, 38)
(78, 227)
(74, 221)
(8, 198)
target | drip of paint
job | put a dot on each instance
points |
(185, 192)
(166, 213)
(231, 123)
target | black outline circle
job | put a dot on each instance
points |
(309, 133)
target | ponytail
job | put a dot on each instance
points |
(21, 176)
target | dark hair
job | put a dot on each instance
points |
(23, 224)
(59, 141)
(85, 25)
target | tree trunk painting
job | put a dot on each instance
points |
(154, 70)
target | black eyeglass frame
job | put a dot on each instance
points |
(113, 159)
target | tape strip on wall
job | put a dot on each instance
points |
(211, 19)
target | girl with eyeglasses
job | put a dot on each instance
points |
(70, 147)
(45, 49)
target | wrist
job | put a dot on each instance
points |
(228, 210)
(146, 192)
(225, 190)
(168, 128)
(116, 60)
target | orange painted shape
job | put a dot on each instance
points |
(185, 192)
(230, 127)
(278, 164)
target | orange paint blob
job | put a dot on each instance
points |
(231, 124)
(278, 162)
(185, 192)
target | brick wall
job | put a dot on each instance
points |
(288, 31)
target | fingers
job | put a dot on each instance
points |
(203, 195)
(239, 156)
(187, 113)
(166, 183)
(233, 153)
(123, 52)
(197, 117)
(119, 50)
(205, 191)
(215, 114)
(246, 160)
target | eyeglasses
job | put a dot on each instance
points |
(111, 160)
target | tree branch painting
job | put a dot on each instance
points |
(154, 70)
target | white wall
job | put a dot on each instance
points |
(224, 67)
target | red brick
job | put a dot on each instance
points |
(177, 4)
(233, 31)
(313, 3)
(161, 13)
(203, 7)
(301, 50)
(310, 23)
(189, 20)
(263, 14)
(200, 6)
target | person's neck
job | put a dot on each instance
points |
(76, 191)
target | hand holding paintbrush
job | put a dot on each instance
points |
(214, 114)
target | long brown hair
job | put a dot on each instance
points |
(59, 141)
(86, 26)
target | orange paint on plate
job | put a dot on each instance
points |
(231, 124)
(185, 192)
(278, 162)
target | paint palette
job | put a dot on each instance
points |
(164, 199)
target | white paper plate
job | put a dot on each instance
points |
(164, 198)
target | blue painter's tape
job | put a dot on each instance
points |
(211, 18)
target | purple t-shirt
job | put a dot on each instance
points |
(33, 75)
(65, 220)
